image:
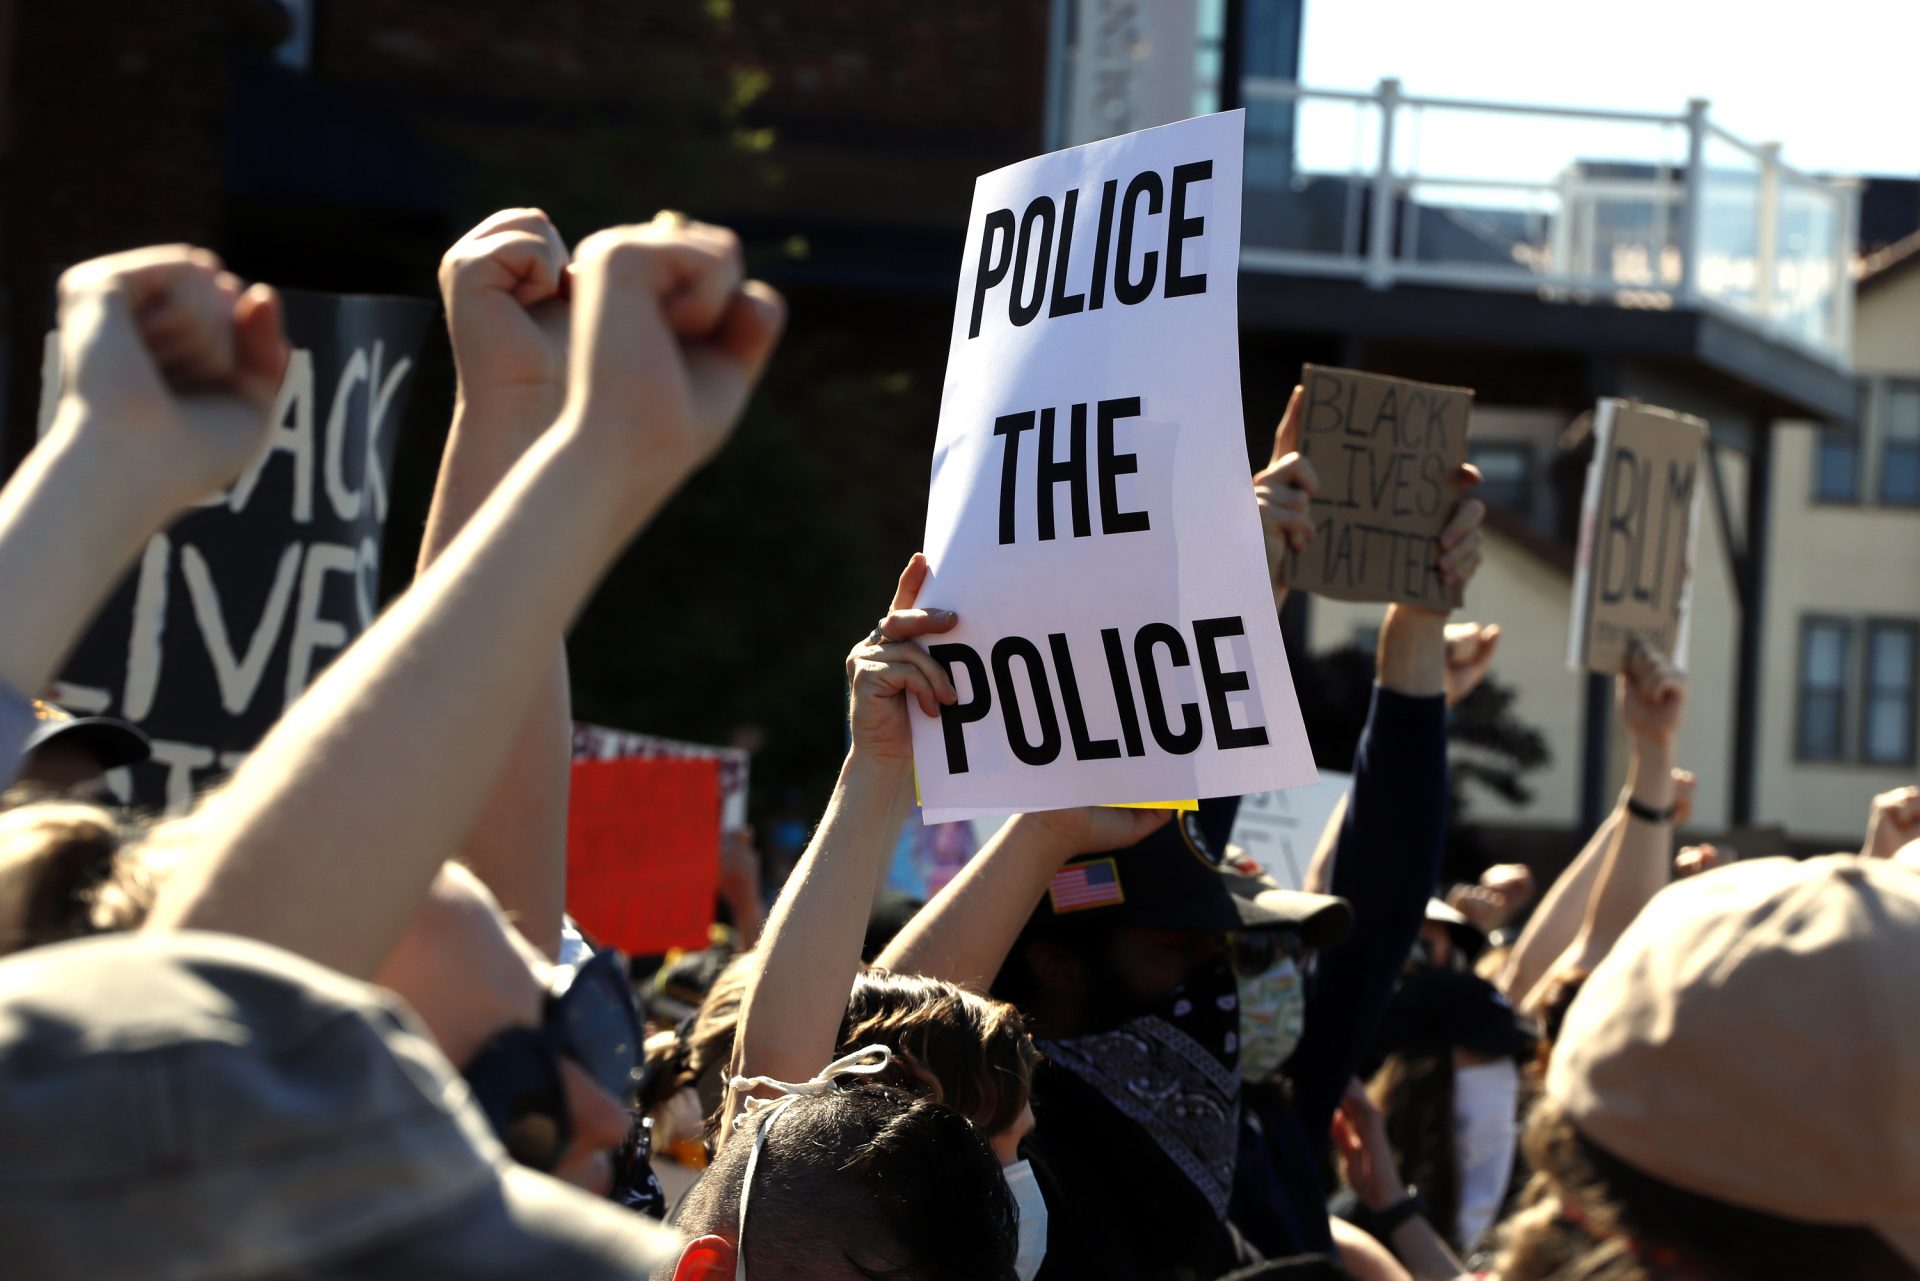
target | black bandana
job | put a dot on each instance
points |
(1176, 1075)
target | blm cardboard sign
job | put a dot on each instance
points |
(236, 607)
(1387, 452)
(1090, 517)
(1633, 581)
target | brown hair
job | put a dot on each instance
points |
(1414, 1092)
(69, 869)
(1552, 1009)
(695, 1057)
(1589, 1216)
(954, 1046)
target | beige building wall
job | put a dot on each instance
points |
(1845, 561)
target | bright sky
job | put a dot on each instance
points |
(1832, 80)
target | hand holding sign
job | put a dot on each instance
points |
(1389, 456)
(1060, 835)
(1284, 490)
(1684, 784)
(164, 349)
(887, 668)
(1460, 539)
(1653, 697)
(505, 288)
(667, 341)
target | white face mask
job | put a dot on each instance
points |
(1033, 1219)
(1273, 1013)
(1485, 1123)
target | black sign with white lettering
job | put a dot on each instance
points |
(234, 609)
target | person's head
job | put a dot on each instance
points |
(1448, 940)
(1736, 1089)
(199, 1105)
(1119, 934)
(1448, 1088)
(956, 1047)
(480, 988)
(854, 1183)
(693, 1057)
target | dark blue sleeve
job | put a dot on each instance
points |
(17, 722)
(1385, 863)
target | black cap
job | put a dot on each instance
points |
(1438, 1009)
(108, 740)
(1174, 880)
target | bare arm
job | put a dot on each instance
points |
(1284, 490)
(797, 997)
(1366, 1157)
(169, 370)
(1639, 858)
(964, 934)
(1554, 925)
(328, 836)
(503, 287)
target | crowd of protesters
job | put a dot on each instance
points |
(333, 1022)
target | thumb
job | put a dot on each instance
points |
(1344, 1136)
(750, 328)
(259, 345)
(1286, 437)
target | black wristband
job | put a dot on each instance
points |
(1646, 813)
(1383, 1222)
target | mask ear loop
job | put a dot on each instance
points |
(868, 1061)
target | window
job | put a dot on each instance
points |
(1857, 701)
(1900, 444)
(1825, 653)
(1508, 471)
(1886, 721)
(1836, 465)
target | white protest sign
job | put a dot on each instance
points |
(1281, 830)
(1090, 518)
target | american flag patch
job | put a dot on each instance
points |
(1079, 886)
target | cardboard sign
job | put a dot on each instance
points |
(597, 742)
(1387, 452)
(237, 606)
(1281, 830)
(1633, 581)
(1090, 517)
(643, 851)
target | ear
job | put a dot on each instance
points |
(707, 1258)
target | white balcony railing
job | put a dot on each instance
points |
(1632, 209)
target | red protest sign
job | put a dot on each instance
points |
(643, 851)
